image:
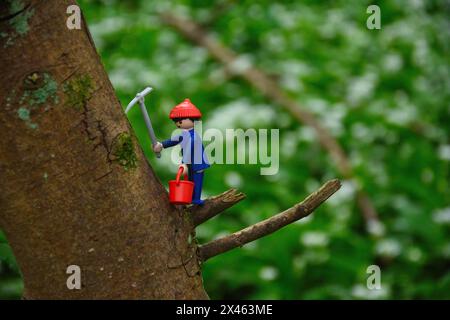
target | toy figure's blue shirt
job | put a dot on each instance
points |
(192, 149)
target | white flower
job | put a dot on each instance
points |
(233, 179)
(375, 227)
(362, 133)
(361, 88)
(442, 216)
(240, 64)
(241, 112)
(307, 134)
(127, 74)
(105, 27)
(444, 152)
(289, 144)
(268, 273)
(388, 248)
(314, 239)
(345, 194)
(392, 62)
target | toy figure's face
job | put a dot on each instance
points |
(184, 123)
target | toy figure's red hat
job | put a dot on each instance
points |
(185, 110)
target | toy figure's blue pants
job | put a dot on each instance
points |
(197, 179)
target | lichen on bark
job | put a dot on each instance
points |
(24, 114)
(19, 23)
(78, 91)
(123, 151)
(39, 89)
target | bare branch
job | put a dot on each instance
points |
(215, 205)
(268, 226)
(272, 91)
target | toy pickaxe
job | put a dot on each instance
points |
(140, 98)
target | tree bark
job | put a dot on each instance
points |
(69, 194)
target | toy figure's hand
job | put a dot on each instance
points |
(185, 168)
(158, 147)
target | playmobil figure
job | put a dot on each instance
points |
(194, 159)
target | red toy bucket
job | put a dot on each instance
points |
(180, 192)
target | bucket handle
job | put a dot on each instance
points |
(180, 171)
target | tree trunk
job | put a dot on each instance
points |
(75, 188)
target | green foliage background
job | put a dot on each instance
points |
(383, 93)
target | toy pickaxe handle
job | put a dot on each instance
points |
(140, 98)
(148, 123)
